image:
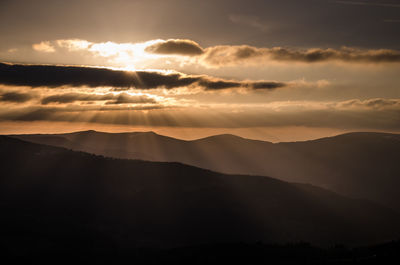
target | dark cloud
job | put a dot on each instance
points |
(209, 84)
(16, 97)
(72, 97)
(180, 47)
(56, 76)
(215, 84)
(234, 55)
(363, 3)
(266, 85)
(344, 54)
(112, 98)
(125, 98)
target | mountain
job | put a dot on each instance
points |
(361, 165)
(50, 196)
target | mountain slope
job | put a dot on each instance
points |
(48, 193)
(363, 165)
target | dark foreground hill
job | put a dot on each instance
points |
(362, 165)
(53, 199)
(217, 254)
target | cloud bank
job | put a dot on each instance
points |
(222, 55)
(233, 55)
(377, 113)
(15, 97)
(186, 51)
(57, 76)
(110, 98)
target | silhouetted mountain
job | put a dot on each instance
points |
(362, 165)
(54, 198)
(216, 254)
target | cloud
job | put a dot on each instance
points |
(215, 84)
(375, 113)
(44, 46)
(266, 85)
(57, 76)
(227, 55)
(178, 46)
(361, 3)
(109, 53)
(344, 54)
(73, 44)
(235, 55)
(122, 98)
(210, 84)
(72, 97)
(375, 103)
(74, 112)
(16, 97)
(134, 54)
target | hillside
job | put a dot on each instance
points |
(51, 194)
(360, 165)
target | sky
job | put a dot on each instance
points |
(283, 70)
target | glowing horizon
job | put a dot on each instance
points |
(264, 77)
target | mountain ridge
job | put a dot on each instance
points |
(222, 134)
(165, 203)
(362, 164)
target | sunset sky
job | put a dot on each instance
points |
(273, 70)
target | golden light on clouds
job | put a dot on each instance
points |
(184, 51)
(128, 56)
(44, 46)
(167, 84)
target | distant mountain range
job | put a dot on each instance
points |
(360, 165)
(51, 197)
